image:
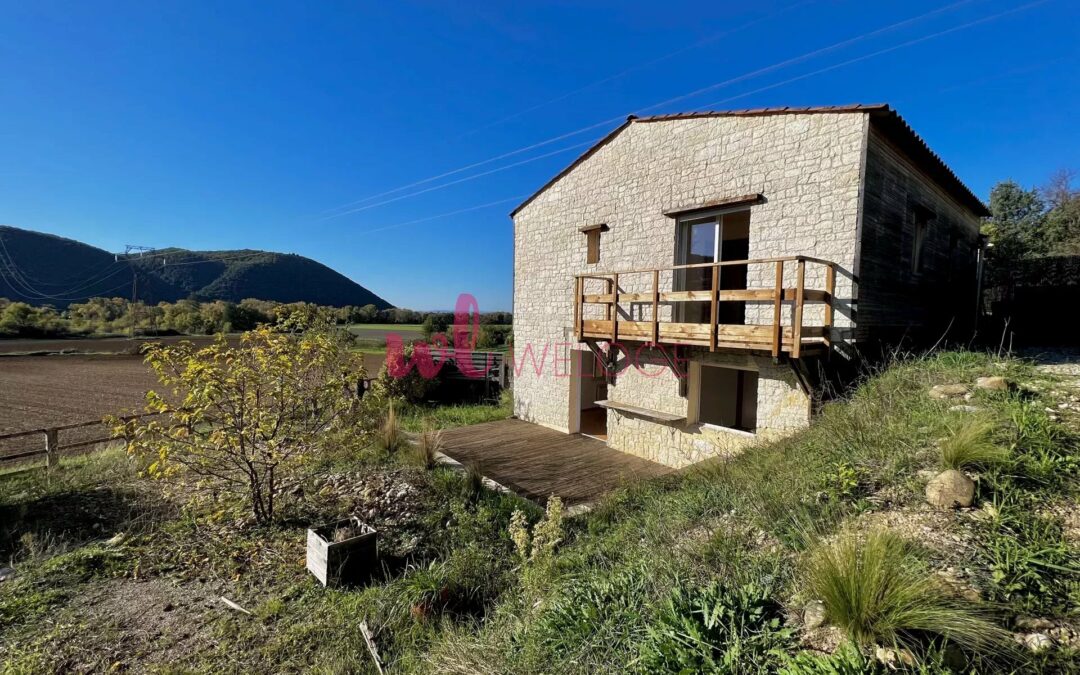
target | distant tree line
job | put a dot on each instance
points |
(495, 329)
(102, 316)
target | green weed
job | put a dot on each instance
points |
(1032, 568)
(717, 629)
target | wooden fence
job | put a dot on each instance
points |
(52, 447)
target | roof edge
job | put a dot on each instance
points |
(881, 114)
(572, 165)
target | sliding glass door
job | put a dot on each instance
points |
(706, 239)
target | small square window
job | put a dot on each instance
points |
(592, 242)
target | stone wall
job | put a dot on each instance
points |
(783, 407)
(808, 168)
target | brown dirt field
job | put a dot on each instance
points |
(39, 391)
(113, 345)
(43, 391)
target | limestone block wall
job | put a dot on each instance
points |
(806, 165)
(783, 407)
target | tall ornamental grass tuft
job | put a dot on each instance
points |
(970, 445)
(390, 435)
(878, 592)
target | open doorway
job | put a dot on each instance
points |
(592, 387)
(713, 238)
(724, 397)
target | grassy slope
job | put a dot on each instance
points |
(748, 521)
(855, 469)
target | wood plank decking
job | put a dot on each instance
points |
(536, 462)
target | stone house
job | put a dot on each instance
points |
(683, 288)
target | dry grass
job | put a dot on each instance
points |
(430, 444)
(390, 433)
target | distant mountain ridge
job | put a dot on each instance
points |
(44, 269)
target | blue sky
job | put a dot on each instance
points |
(244, 124)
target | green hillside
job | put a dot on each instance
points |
(43, 269)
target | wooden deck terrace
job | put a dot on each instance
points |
(537, 462)
(794, 339)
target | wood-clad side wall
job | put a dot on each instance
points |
(896, 302)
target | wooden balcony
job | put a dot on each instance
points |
(605, 303)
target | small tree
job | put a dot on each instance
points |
(248, 419)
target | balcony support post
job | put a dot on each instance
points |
(778, 310)
(796, 328)
(615, 308)
(713, 309)
(830, 289)
(579, 309)
(607, 307)
(656, 307)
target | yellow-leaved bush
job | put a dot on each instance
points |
(246, 419)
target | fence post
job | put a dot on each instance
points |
(52, 448)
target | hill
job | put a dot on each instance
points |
(44, 269)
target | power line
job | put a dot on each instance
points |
(642, 66)
(460, 180)
(445, 215)
(864, 57)
(755, 73)
(819, 71)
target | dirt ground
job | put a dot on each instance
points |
(58, 389)
(110, 345)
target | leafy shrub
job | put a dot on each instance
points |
(246, 420)
(878, 592)
(536, 549)
(494, 336)
(411, 387)
(970, 445)
(842, 483)
(847, 660)
(717, 629)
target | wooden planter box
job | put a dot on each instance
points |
(342, 553)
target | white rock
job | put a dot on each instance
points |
(893, 658)
(940, 391)
(814, 614)
(994, 383)
(950, 489)
(1038, 642)
(965, 408)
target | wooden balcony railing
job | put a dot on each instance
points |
(763, 304)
